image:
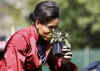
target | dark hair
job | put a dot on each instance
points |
(45, 11)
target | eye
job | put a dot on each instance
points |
(52, 27)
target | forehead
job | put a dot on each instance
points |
(53, 22)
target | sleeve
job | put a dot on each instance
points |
(54, 62)
(70, 66)
(12, 56)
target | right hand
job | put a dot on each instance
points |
(67, 53)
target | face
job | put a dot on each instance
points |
(44, 30)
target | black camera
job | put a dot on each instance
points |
(58, 40)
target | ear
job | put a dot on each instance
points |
(37, 23)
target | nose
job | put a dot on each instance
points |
(52, 30)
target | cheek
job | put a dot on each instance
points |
(40, 30)
(43, 30)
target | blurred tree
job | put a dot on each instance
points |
(81, 18)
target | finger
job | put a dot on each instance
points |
(68, 54)
(64, 46)
(68, 50)
(68, 57)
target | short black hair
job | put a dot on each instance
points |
(45, 11)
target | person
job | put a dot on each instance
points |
(28, 49)
(94, 66)
(2, 47)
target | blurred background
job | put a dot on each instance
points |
(80, 18)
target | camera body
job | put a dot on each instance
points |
(57, 49)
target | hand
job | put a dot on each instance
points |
(67, 53)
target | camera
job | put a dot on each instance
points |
(58, 40)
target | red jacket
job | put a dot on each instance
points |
(21, 53)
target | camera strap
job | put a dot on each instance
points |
(41, 53)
